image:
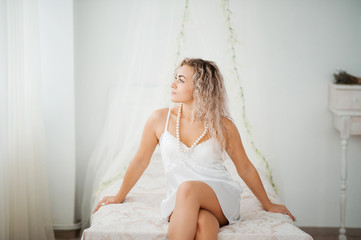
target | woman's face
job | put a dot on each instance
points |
(182, 86)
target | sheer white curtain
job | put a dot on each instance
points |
(24, 194)
(144, 73)
(160, 34)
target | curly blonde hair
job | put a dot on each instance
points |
(210, 97)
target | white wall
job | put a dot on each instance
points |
(289, 51)
(292, 48)
(56, 37)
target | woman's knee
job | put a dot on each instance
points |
(186, 189)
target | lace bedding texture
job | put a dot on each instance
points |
(139, 217)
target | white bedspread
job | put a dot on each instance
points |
(138, 217)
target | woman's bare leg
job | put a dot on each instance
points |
(207, 226)
(191, 197)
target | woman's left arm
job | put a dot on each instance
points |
(247, 171)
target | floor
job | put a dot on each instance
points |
(332, 233)
(316, 233)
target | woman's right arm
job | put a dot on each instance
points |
(139, 162)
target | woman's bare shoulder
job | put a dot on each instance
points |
(229, 124)
(159, 114)
(231, 131)
(157, 120)
(162, 113)
(158, 117)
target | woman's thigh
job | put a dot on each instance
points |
(206, 197)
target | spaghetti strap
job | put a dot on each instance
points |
(166, 125)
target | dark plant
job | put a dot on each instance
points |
(343, 77)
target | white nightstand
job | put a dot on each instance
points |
(345, 104)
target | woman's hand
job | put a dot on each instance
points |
(107, 200)
(279, 209)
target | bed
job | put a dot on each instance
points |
(138, 217)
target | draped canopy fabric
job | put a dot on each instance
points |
(158, 35)
(25, 211)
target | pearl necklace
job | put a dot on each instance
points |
(178, 134)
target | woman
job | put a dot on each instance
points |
(194, 137)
